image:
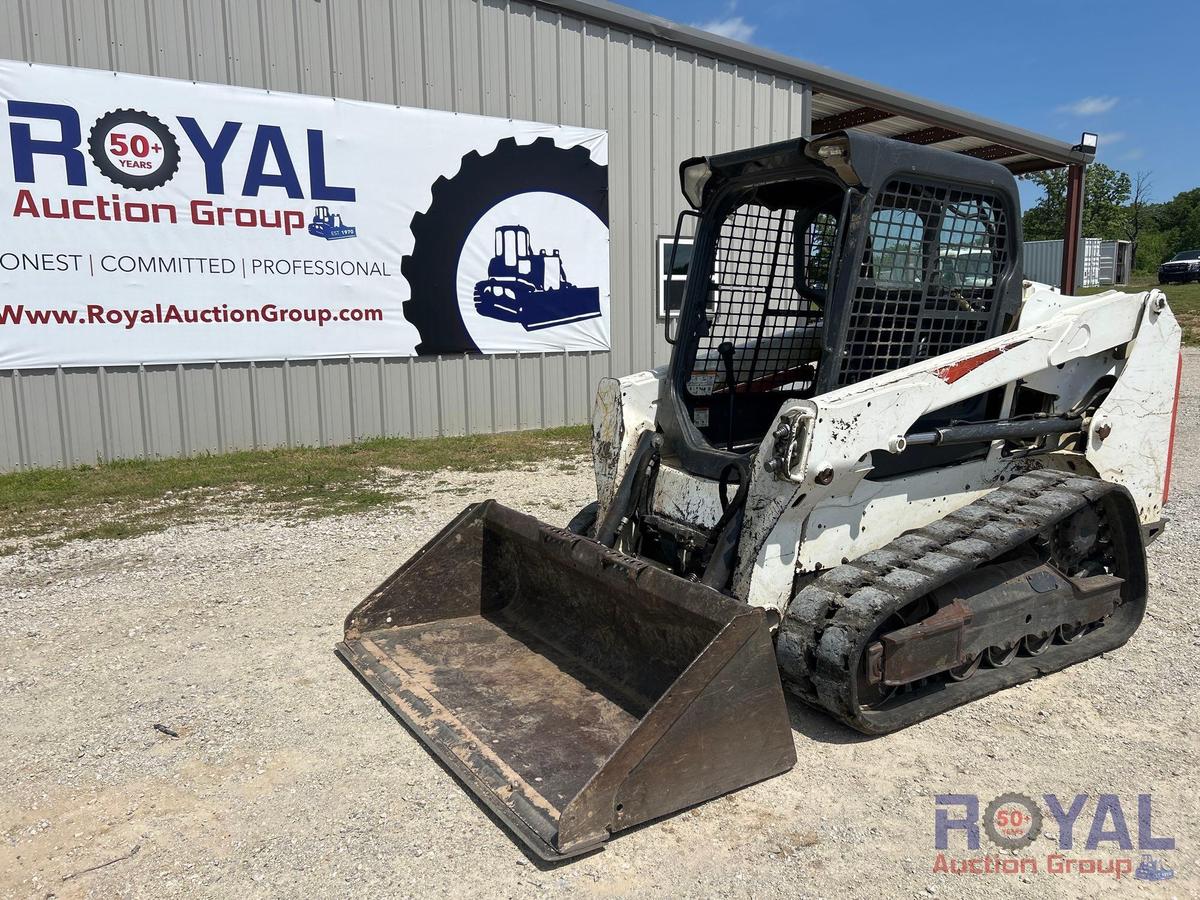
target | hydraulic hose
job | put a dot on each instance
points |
(726, 533)
(621, 508)
(725, 350)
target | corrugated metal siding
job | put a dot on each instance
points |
(1042, 261)
(660, 103)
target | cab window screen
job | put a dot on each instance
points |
(928, 277)
(771, 331)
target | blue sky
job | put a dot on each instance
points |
(1127, 71)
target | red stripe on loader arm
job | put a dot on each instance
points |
(955, 371)
(1171, 440)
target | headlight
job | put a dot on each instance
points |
(835, 153)
(1194, 264)
(694, 175)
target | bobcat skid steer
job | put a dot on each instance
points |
(880, 472)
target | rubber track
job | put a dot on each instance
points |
(829, 622)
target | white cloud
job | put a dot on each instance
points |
(734, 27)
(1090, 106)
(1108, 138)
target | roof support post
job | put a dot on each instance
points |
(1074, 226)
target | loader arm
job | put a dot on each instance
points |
(820, 506)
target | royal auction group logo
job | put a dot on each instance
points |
(1012, 822)
(138, 150)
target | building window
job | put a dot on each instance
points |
(671, 279)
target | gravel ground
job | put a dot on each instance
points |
(288, 778)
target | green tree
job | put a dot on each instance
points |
(1178, 221)
(1153, 248)
(1106, 191)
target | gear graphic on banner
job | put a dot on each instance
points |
(133, 149)
(539, 294)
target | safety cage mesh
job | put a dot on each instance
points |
(927, 283)
(765, 303)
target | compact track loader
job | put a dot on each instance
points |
(880, 472)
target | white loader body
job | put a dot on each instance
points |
(1062, 345)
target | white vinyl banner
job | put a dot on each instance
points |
(149, 220)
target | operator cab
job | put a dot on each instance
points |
(821, 263)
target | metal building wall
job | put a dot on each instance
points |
(659, 101)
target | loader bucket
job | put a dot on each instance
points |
(575, 690)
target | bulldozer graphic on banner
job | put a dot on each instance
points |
(328, 225)
(531, 288)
